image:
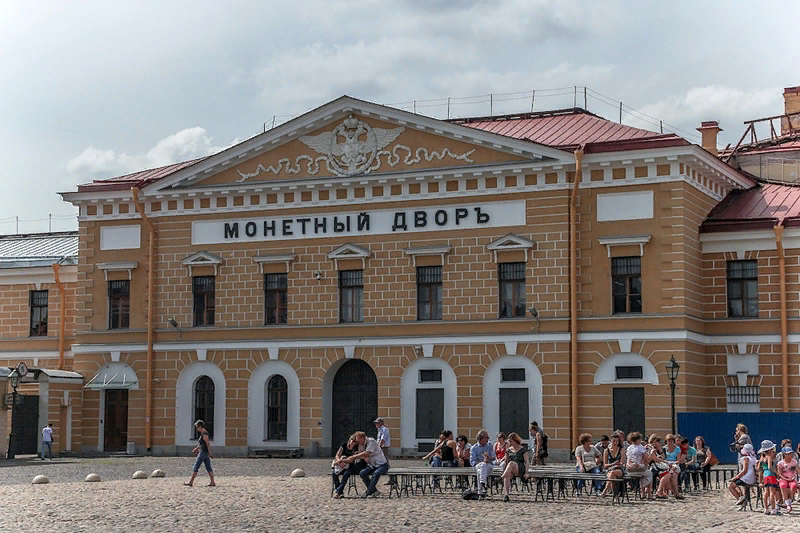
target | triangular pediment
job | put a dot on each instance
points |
(510, 242)
(349, 251)
(352, 138)
(202, 259)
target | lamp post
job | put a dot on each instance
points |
(14, 378)
(672, 373)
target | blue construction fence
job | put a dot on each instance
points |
(718, 428)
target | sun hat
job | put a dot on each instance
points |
(766, 445)
(787, 449)
(747, 449)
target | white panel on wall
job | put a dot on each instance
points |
(625, 206)
(120, 237)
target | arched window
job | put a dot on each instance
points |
(204, 404)
(277, 398)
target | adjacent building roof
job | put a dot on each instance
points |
(38, 249)
(567, 129)
(760, 207)
(136, 179)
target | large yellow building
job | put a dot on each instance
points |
(361, 261)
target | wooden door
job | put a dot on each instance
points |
(514, 411)
(25, 425)
(355, 401)
(115, 433)
(430, 413)
(629, 409)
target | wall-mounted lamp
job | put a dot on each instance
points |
(535, 314)
(174, 323)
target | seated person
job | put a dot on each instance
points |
(614, 462)
(638, 465)
(482, 458)
(668, 478)
(587, 458)
(704, 460)
(515, 462)
(499, 448)
(341, 468)
(747, 473)
(444, 453)
(462, 450)
(689, 466)
(376, 462)
(602, 445)
(787, 476)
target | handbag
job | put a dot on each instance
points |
(713, 461)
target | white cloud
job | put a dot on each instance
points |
(187, 144)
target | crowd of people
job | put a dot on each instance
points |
(775, 471)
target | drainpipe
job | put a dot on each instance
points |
(573, 295)
(784, 333)
(151, 249)
(62, 327)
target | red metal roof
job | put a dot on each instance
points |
(135, 179)
(762, 206)
(570, 128)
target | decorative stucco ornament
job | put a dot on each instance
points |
(352, 146)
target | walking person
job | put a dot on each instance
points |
(204, 455)
(47, 440)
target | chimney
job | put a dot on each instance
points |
(710, 129)
(791, 104)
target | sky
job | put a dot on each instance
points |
(95, 89)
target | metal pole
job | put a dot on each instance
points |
(50, 223)
(17, 224)
(415, 106)
(10, 453)
(620, 112)
(448, 108)
(491, 104)
(574, 96)
(533, 99)
(672, 386)
(585, 100)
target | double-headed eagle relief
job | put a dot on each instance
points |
(351, 148)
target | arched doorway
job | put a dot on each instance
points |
(354, 401)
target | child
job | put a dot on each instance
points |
(746, 475)
(768, 468)
(787, 476)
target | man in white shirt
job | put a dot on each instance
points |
(370, 451)
(383, 437)
(47, 440)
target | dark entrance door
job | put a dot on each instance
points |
(430, 413)
(514, 411)
(629, 409)
(26, 425)
(355, 401)
(115, 433)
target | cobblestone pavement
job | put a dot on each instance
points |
(258, 495)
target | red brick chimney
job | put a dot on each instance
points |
(709, 129)
(791, 104)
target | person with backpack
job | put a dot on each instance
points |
(538, 444)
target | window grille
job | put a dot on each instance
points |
(750, 394)
(430, 376)
(512, 374)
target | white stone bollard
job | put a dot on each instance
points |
(92, 478)
(158, 473)
(140, 474)
(40, 480)
(298, 472)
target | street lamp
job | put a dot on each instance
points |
(672, 374)
(14, 378)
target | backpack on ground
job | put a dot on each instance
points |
(470, 494)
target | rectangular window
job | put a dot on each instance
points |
(119, 304)
(351, 296)
(629, 372)
(38, 305)
(742, 288)
(512, 289)
(430, 376)
(746, 395)
(429, 293)
(275, 290)
(626, 279)
(512, 374)
(203, 296)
